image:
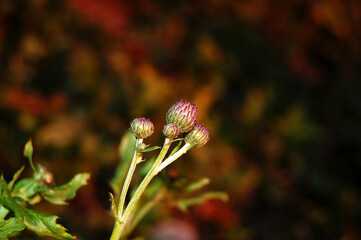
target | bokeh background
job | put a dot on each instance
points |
(276, 82)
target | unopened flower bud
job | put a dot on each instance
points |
(183, 114)
(171, 130)
(142, 128)
(198, 136)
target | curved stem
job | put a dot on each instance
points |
(140, 190)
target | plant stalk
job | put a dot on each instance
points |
(125, 187)
(144, 210)
(128, 178)
(174, 157)
(119, 226)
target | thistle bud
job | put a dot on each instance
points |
(183, 114)
(142, 128)
(171, 130)
(198, 136)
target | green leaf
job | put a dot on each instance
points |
(144, 169)
(127, 146)
(149, 149)
(28, 149)
(26, 188)
(10, 226)
(3, 212)
(126, 151)
(41, 224)
(45, 225)
(154, 187)
(58, 195)
(15, 177)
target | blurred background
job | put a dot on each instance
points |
(277, 84)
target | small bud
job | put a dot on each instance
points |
(142, 128)
(198, 136)
(48, 178)
(183, 114)
(28, 149)
(171, 130)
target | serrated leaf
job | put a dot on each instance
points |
(15, 177)
(58, 195)
(149, 149)
(26, 188)
(126, 151)
(45, 225)
(41, 224)
(10, 226)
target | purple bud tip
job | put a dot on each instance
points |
(183, 114)
(198, 136)
(141, 128)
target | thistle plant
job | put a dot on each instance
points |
(181, 119)
(17, 196)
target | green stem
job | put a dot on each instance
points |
(174, 157)
(31, 163)
(125, 188)
(119, 228)
(128, 178)
(143, 211)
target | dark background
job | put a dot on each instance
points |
(277, 83)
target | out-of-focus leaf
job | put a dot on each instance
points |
(197, 185)
(149, 149)
(146, 167)
(58, 195)
(3, 212)
(10, 226)
(126, 151)
(153, 188)
(15, 177)
(26, 188)
(34, 200)
(127, 146)
(184, 203)
(41, 224)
